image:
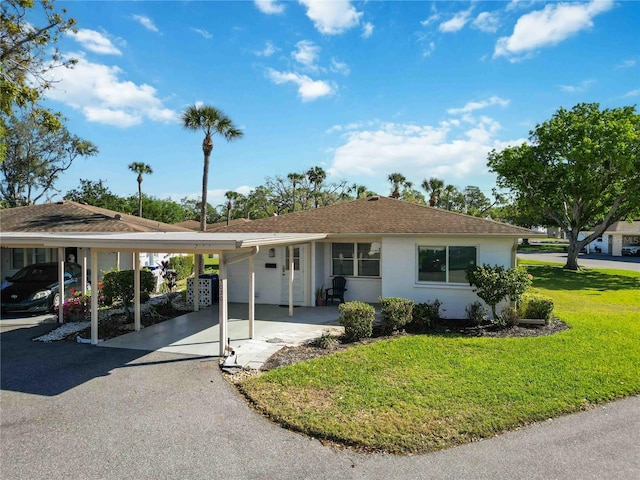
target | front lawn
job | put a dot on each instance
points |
(427, 392)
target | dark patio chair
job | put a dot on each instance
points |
(337, 290)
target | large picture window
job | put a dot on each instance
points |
(356, 259)
(445, 264)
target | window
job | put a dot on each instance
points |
(296, 258)
(445, 264)
(344, 256)
(29, 255)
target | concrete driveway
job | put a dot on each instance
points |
(77, 411)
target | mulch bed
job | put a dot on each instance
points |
(290, 355)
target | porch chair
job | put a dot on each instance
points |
(337, 290)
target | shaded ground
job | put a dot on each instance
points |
(324, 346)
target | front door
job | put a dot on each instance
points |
(298, 276)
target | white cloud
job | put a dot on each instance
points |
(633, 93)
(268, 50)
(306, 53)
(486, 22)
(472, 106)
(94, 41)
(549, 26)
(204, 33)
(270, 7)
(580, 88)
(99, 93)
(627, 64)
(433, 18)
(146, 22)
(429, 49)
(367, 30)
(332, 18)
(339, 67)
(308, 89)
(457, 23)
(451, 150)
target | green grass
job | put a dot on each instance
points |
(553, 246)
(422, 393)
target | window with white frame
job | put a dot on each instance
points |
(446, 264)
(361, 259)
(21, 257)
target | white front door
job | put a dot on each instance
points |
(298, 276)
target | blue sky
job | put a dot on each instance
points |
(362, 89)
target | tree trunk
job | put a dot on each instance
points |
(140, 198)
(573, 251)
(207, 147)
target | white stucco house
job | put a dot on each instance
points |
(619, 234)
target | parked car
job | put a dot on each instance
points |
(631, 250)
(35, 287)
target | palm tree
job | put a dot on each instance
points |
(397, 180)
(140, 168)
(231, 197)
(295, 178)
(316, 176)
(211, 121)
(434, 187)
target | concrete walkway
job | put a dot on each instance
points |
(197, 333)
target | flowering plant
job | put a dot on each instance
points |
(77, 308)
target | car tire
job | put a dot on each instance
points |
(55, 301)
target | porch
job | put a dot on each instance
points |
(198, 333)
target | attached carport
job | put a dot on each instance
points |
(231, 248)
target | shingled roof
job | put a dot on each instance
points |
(379, 215)
(211, 227)
(69, 216)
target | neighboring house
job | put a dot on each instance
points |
(618, 235)
(384, 247)
(72, 217)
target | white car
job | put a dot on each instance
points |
(631, 250)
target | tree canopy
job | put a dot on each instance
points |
(581, 170)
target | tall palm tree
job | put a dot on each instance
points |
(397, 180)
(231, 197)
(141, 169)
(210, 121)
(316, 176)
(433, 186)
(296, 179)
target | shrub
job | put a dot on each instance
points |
(495, 284)
(396, 312)
(183, 265)
(476, 313)
(426, 314)
(118, 286)
(326, 341)
(509, 317)
(357, 319)
(536, 306)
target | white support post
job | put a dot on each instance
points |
(312, 274)
(117, 261)
(136, 291)
(83, 265)
(94, 297)
(222, 305)
(252, 297)
(61, 283)
(196, 283)
(291, 276)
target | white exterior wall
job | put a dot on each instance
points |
(602, 243)
(400, 270)
(268, 280)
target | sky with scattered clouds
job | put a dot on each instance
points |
(362, 89)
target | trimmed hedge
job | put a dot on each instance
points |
(536, 306)
(183, 265)
(118, 286)
(396, 312)
(426, 314)
(357, 319)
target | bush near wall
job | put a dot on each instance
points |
(357, 319)
(183, 265)
(118, 286)
(396, 312)
(426, 314)
(536, 306)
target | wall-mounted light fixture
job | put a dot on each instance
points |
(272, 252)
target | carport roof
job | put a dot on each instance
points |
(182, 242)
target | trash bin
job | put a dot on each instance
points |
(215, 285)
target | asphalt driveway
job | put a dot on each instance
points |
(77, 411)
